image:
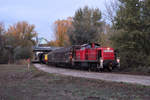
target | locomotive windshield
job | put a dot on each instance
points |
(90, 45)
(108, 50)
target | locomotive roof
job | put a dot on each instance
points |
(90, 44)
(45, 48)
(84, 45)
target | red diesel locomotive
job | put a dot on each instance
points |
(91, 56)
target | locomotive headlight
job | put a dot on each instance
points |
(101, 60)
(101, 63)
(108, 48)
(118, 60)
(46, 57)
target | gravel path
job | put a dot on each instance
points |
(134, 79)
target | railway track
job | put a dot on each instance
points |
(133, 79)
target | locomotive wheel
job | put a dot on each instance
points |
(110, 67)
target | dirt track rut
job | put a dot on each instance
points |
(134, 79)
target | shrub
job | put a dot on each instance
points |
(22, 53)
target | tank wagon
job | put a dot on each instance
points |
(91, 56)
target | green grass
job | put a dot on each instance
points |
(19, 83)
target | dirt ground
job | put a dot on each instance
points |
(19, 83)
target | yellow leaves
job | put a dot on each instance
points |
(61, 29)
(53, 43)
(22, 31)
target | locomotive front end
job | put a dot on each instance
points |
(108, 58)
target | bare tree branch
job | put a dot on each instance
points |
(111, 8)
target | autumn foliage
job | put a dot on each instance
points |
(61, 32)
(17, 41)
(23, 32)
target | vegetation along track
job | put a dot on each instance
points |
(134, 79)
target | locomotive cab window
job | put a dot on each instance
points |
(83, 48)
(96, 46)
(88, 46)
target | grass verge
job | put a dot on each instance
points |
(19, 83)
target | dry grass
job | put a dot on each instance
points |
(19, 83)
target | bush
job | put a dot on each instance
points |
(4, 57)
(134, 60)
(22, 53)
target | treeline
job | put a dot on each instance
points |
(128, 30)
(132, 32)
(16, 42)
(86, 26)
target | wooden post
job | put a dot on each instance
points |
(28, 60)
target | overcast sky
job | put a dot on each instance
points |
(42, 13)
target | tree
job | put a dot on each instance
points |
(111, 8)
(61, 29)
(2, 31)
(132, 35)
(3, 51)
(16, 42)
(20, 35)
(105, 35)
(86, 26)
(23, 33)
